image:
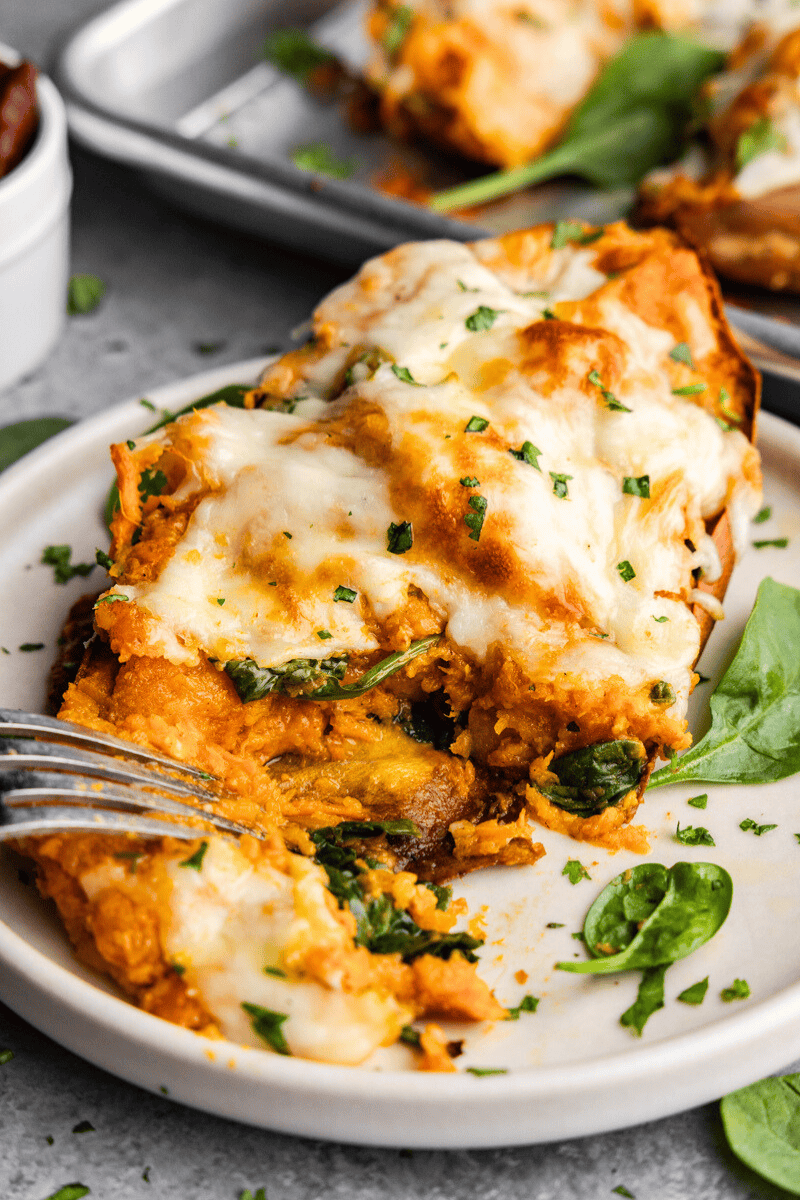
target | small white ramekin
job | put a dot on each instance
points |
(34, 240)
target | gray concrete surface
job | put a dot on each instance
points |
(174, 282)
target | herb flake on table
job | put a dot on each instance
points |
(83, 1127)
(692, 835)
(70, 1191)
(261, 1194)
(318, 158)
(575, 871)
(739, 990)
(749, 825)
(762, 515)
(481, 1071)
(21, 437)
(294, 53)
(6, 1057)
(527, 1004)
(59, 558)
(84, 294)
(29, 647)
(779, 543)
(695, 994)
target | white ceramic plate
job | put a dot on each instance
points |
(573, 1069)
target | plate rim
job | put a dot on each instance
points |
(766, 1033)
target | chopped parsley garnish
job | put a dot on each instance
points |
(662, 693)
(483, 318)
(409, 1036)
(682, 353)
(691, 389)
(724, 397)
(528, 453)
(469, 481)
(178, 968)
(276, 971)
(575, 871)
(762, 516)
(611, 400)
(84, 294)
(695, 994)
(749, 825)
(286, 534)
(213, 347)
(151, 483)
(30, 646)
(761, 137)
(261, 1194)
(560, 482)
(220, 600)
(699, 801)
(481, 1071)
(293, 52)
(103, 560)
(405, 375)
(476, 425)
(554, 925)
(320, 159)
(324, 634)
(196, 860)
(692, 835)
(779, 543)
(637, 485)
(621, 1190)
(462, 287)
(527, 1004)
(111, 597)
(395, 33)
(344, 593)
(549, 315)
(70, 1191)
(626, 571)
(6, 1057)
(266, 1024)
(148, 404)
(660, 620)
(476, 518)
(739, 990)
(58, 557)
(399, 537)
(573, 231)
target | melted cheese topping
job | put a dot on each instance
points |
(569, 573)
(229, 921)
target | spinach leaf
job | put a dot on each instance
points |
(694, 905)
(595, 777)
(755, 709)
(762, 1125)
(632, 118)
(428, 721)
(254, 683)
(380, 925)
(375, 675)
(649, 999)
(24, 436)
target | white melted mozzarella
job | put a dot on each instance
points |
(231, 919)
(276, 475)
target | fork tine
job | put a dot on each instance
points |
(16, 753)
(22, 822)
(27, 788)
(22, 724)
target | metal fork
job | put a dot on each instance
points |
(56, 777)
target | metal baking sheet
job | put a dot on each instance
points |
(179, 91)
